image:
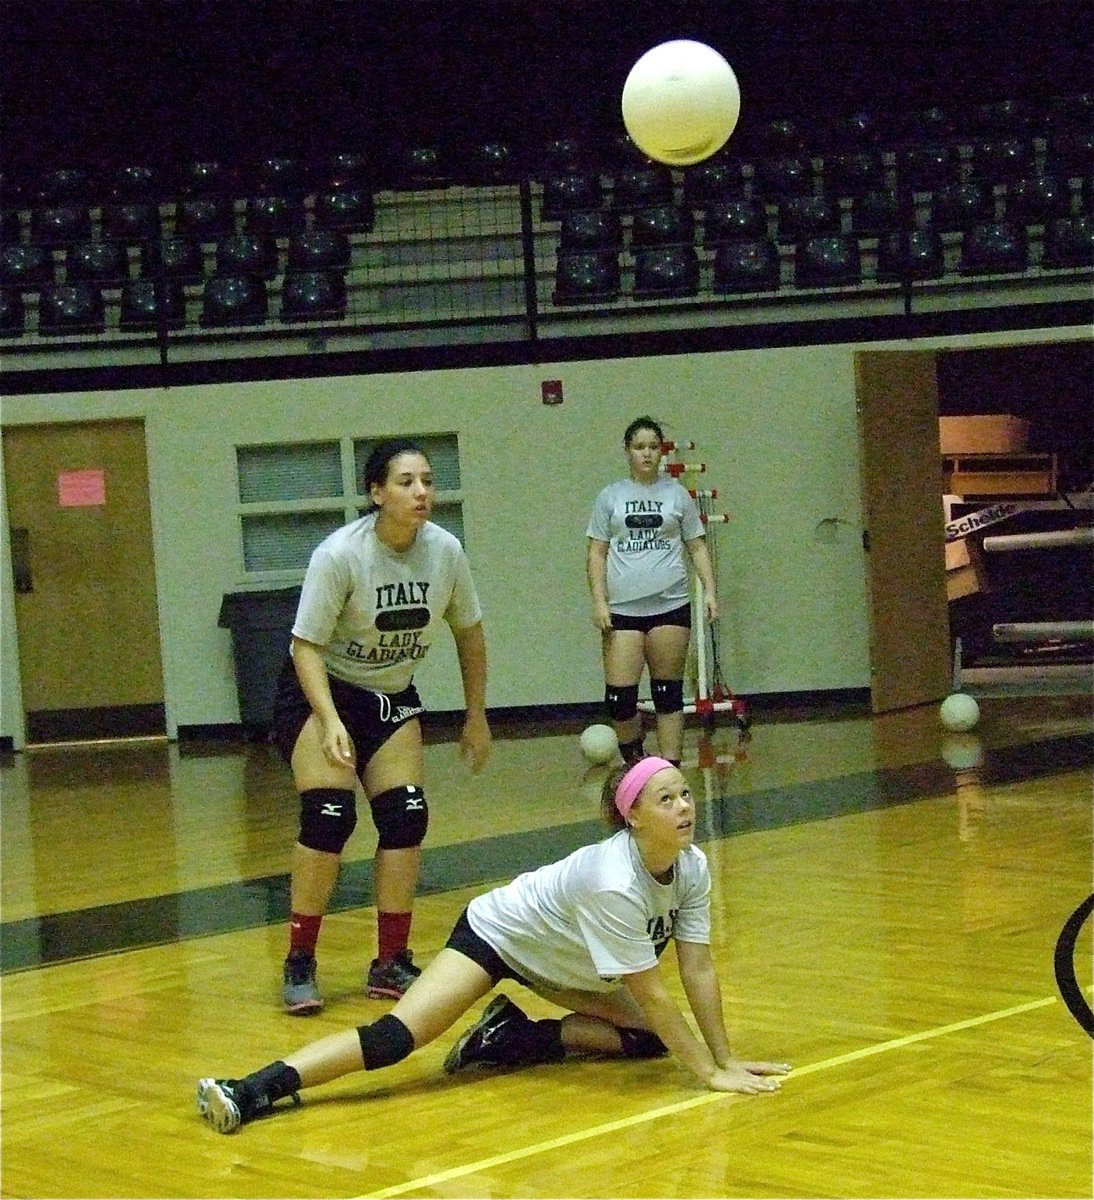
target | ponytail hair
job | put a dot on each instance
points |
(613, 818)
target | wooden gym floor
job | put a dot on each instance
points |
(888, 899)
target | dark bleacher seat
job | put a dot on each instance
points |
(807, 216)
(832, 260)
(313, 295)
(422, 167)
(931, 123)
(641, 186)
(152, 304)
(348, 168)
(132, 222)
(1000, 159)
(853, 174)
(1003, 118)
(780, 178)
(26, 266)
(281, 175)
(206, 177)
(178, 258)
(662, 225)
(563, 156)
(13, 314)
(910, 255)
(928, 166)
(249, 253)
(1070, 152)
(571, 192)
(207, 218)
(960, 206)
(348, 209)
(588, 276)
(711, 182)
(1074, 111)
(780, 136)
(1069, 243)
(279, 215)
(747, 265)
(1037, 199)
(233, 299)
(55, 225)
(877, 212)
(138, 183)
(856, 131)
(731, 220)
(63, 186)
(489, 164)
(599, 229)
(665, 271)
(97, 261)
(620, 150)
(319, 249)
(71, 308)
(995, 247)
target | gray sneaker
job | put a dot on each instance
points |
(390, 979)
(299, 992)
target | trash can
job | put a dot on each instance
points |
(261, 625)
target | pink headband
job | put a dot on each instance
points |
(635, 780)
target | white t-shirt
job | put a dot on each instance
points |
(376, 610)
(645, 526)
(594, 916)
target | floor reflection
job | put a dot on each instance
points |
(111, 847)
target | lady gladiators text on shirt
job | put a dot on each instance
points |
(376, 610)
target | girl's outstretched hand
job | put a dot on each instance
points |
(748, 1077)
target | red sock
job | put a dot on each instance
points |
(304, 933)
(394, 933)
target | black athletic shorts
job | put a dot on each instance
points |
(675, 616)
(370, 717)
(464, 939)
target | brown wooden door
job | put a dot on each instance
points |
(85, 602)
(897, 400)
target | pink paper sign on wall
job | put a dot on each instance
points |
(81, 489)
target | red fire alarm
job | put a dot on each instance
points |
(552, 391)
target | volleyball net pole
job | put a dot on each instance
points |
(712, 693)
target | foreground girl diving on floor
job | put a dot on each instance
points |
(584, 933)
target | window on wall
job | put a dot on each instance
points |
(292, 494)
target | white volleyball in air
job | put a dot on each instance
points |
(681, 102)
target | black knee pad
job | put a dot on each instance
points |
(640, 1043)
(384, 1042)
(667, 694)
(621, 701)
(401, 816)
(327, 817)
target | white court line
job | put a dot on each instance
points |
(669, 1110)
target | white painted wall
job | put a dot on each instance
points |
(777, 429)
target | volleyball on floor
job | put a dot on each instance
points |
(681, 102)
(959, 712)
(599, 743)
